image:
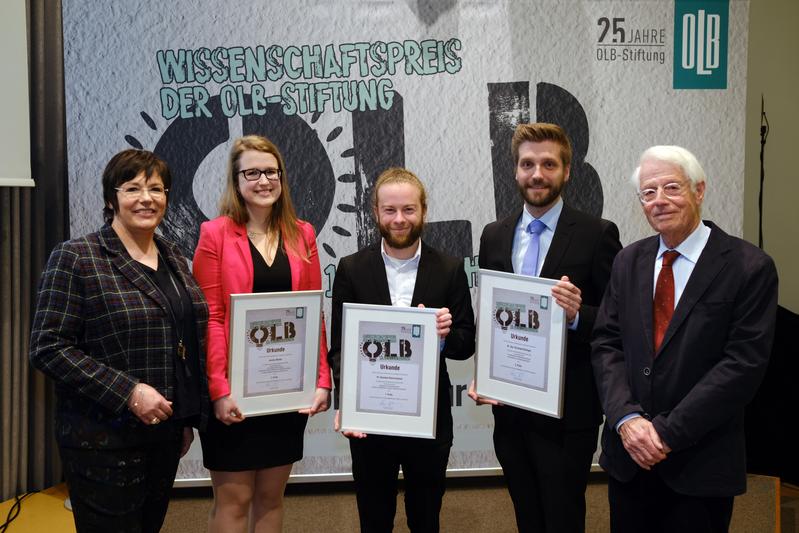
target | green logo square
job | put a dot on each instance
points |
(700, 44)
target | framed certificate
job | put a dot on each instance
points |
(521, 340)
(389, 370)
(274, 350)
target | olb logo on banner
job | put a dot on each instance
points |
(700, 44)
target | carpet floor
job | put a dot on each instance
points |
(470, 504)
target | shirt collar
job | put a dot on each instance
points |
(399, 263)
(550, 218)
(690, 248)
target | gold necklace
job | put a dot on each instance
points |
(253, 234)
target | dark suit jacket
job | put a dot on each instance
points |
(712, 359)
(440, 282)
(582, 248)
(101, 326)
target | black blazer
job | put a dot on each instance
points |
(582, 248)
(712, 359)
(440, 282)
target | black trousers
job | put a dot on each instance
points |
(375, 465)
(646, 503)
(546, 468)
(122, 489)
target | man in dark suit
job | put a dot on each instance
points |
(681, 343)
(546, 461)
(402, 270)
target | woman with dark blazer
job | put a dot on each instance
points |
(120, 328)
(256, 245)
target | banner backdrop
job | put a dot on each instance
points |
(349, 88)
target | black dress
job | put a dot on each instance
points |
(259, 441)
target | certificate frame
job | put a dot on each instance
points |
(253, 400)
(355, 412)
(530, 374)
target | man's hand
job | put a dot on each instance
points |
(227, 411)
(642, 442)
(568, 297)
(479, 400)
(350, 434)
(443, 321)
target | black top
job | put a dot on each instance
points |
(275, 278)
(181, 316)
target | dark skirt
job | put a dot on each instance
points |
(257, 442)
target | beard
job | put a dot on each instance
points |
(548, 198)
(406, 241)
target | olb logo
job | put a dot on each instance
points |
(700, 44)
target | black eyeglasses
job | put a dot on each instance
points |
(254, 174)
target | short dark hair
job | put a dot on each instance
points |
(538, 132)
(125, 166)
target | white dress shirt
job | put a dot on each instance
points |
(401, 275)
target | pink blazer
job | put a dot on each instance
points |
(223, 266)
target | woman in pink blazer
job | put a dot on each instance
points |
(256, 245)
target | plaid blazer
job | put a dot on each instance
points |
(101, 326)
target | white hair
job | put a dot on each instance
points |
(675, 155)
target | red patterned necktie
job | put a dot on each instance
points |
(663, 305)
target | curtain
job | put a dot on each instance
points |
(32, 221)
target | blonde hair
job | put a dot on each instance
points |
(399, 175)
(282, 217)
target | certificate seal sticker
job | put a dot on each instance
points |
(416, 331)
(544, 303)
(300, 312)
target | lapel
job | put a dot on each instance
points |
(129, 267)
(377, 271)
(238, 234)
(425, 271)
(505, 240)
(295, 263)
(644, 267)
(559, 245)
(712, 260)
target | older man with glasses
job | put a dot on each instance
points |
(681, 343)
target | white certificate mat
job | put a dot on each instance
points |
(521, 336)
(274, 350)
(389, 370)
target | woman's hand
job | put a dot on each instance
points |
(148, 405)
(321, 402)
(226, 411)
(188, 438)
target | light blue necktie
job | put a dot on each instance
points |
(531, 256)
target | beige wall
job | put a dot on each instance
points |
(773, 70)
